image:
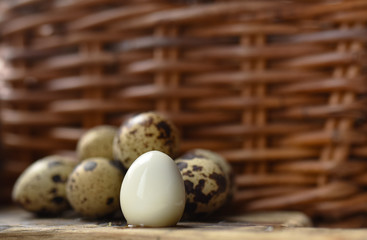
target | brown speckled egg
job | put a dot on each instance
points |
(41, 187)
(96, 142)
(204, 153)
(221, 161)
(93, 188)
(206, 185)
(142, 133)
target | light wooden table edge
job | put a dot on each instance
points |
(18, 224)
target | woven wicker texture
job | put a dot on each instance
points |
(277, 87)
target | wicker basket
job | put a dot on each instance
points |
(277, 87)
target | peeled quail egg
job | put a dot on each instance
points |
(142, 133)
(96, 142)
(41, 187)
(93, 187)
(152, 192)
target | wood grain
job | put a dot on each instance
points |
(18, 224)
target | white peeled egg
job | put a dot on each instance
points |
(153, 192)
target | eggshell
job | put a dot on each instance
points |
(208, 154)
(41, 187)
(218, 159)
(142, 133)
(93, 187)
(153, 193)
(206, 186)
(96, 142)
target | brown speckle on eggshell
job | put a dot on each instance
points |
(204, 153)
(206, 186)
(41, 187)
(93, 188)
(218, 159)
(142, 133)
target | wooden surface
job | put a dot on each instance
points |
(18, 224)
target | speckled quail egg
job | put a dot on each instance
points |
(205, 153)
(96, 142)
(93, 188)
(206, 185)
(221, 161)
(41, 187)
(142, 133)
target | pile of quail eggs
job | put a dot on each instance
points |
(130, 168)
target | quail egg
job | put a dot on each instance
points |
(96, 142)
(93, 187)
(221, 161)
(204, 153)
(41, 187)
(206, 185)
(142, 133)
(152, 192)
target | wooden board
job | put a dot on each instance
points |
(18, 224)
